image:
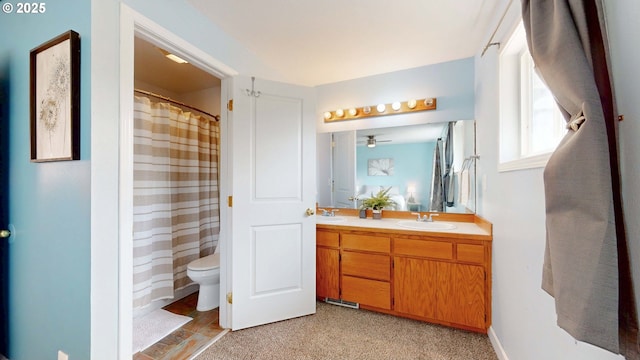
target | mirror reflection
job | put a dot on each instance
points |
(426, 167)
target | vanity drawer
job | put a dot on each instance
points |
(366, 265)
(423, 248)
(366, 292)
(471, 253)
(327, 238)
(366, 243)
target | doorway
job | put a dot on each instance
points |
(166, 84)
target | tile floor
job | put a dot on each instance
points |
(187, 340)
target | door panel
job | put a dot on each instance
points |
(277, 164)
(275, 259)
(273, 183)
(344, 168)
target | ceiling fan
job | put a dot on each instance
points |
(372, 141)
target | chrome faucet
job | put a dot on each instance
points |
(424, 218)
(331, 212)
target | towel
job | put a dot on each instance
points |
(465, 187)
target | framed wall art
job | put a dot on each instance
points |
(380, 167)
(55, 99)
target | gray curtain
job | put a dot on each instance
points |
(436, 202)
(447, 181)
(586, 267)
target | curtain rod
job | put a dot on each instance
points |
(217, 117)
(490, 42)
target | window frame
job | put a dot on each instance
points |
(516, 107)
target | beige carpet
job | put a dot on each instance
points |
(336, 332)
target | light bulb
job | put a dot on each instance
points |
(339, 113)
(395, 106)
(353, 111)
(412, 103)
(428, 102)
(381, 108)
(327, 115)
(366, 109)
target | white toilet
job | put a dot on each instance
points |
(206, 272)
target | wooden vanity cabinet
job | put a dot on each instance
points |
(430, 278)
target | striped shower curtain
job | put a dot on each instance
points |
(175, 208)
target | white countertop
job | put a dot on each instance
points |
(461, 228)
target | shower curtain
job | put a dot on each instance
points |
(176, 209)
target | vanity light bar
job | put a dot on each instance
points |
(380, 110)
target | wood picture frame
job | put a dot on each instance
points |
(55, 99)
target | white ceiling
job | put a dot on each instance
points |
(313, 42)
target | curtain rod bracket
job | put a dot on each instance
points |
(491, 42)
(488, 46)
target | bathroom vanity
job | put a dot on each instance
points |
(397, 265)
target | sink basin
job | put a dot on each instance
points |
(418, 225)
(330, 219)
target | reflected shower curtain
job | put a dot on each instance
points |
(176, 209)
(436, 202)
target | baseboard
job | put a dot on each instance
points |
(497, 346)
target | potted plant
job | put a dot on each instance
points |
(377, 202)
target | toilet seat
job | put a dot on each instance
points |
(208, 262)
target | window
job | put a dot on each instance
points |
(531, 125)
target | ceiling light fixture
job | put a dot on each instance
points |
(173, 57)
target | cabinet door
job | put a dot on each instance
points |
(468, 284)
(415, 286)
(461, 294)
(327, 273)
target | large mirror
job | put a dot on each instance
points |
(426, 167)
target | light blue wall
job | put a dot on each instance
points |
(49, 203)
(413, 164)
(451, 83)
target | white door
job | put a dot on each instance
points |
(344, 169)
(273, 164)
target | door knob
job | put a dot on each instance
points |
(310, 212)
(5, 234)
